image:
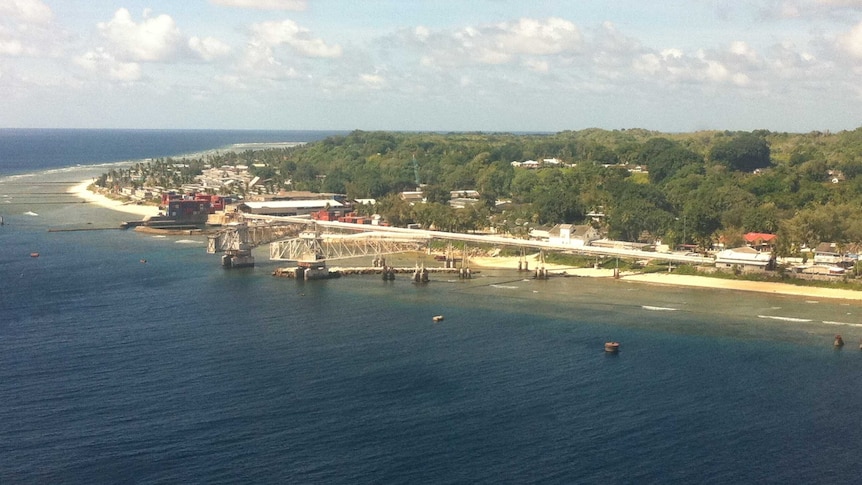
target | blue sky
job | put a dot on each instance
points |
(484, 65)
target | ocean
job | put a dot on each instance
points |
(174, 370)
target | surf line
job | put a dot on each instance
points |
(659, 308)
(830, 322)
(786, 319)
(500, 284)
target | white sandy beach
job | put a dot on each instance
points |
(741, 285)
(81, 191)
(678, 280)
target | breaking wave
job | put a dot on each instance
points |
(659, 308)
(786, 319)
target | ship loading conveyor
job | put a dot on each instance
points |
(491, 240)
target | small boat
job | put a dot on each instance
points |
(437, 318)
(34, 255)
(839, 342)
(612, 346)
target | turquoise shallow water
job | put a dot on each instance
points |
(176, 371)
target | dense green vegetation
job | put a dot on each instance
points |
(700, 186)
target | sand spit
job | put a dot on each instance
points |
(82, 192)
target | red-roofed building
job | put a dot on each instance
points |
(760, 241)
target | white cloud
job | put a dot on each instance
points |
(531, 36)
(27, 11)
(422, 33)
(283, 50)
(153, 39)
(734, 66)
(744, 51)
(806, 9)
(104, 63)
(288, 32)
(500, 43)
(851, 42)
(373, 81)
(26, 29)
(209, 48)
(537, 65)
(841, 3)
(297, 5)
(10, 46)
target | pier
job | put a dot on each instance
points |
(335, 272)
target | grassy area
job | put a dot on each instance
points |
(582, 261)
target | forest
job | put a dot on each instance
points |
(693, 188)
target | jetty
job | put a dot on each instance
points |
(411, 270)
(335, 272)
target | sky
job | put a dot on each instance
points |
(441, 65)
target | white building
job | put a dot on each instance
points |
(573, 235)
(744, 258)
(289, 207)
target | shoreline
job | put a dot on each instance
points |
(670, 279)
(80, 190)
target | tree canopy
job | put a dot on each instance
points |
(698, 186)
(745, 152)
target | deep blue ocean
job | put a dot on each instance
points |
(113, 370)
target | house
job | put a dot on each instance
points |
(412, 196)
(460, 199)
(746, 259)
(573, 235)
(540, 233)
(464, 194)
(462, 202)
(760, 241)
(830, 253)
(821, 270)
(827, 253)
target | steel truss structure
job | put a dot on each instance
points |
(245, 236)
(313, 246)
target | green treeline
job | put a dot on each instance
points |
(699, 186)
